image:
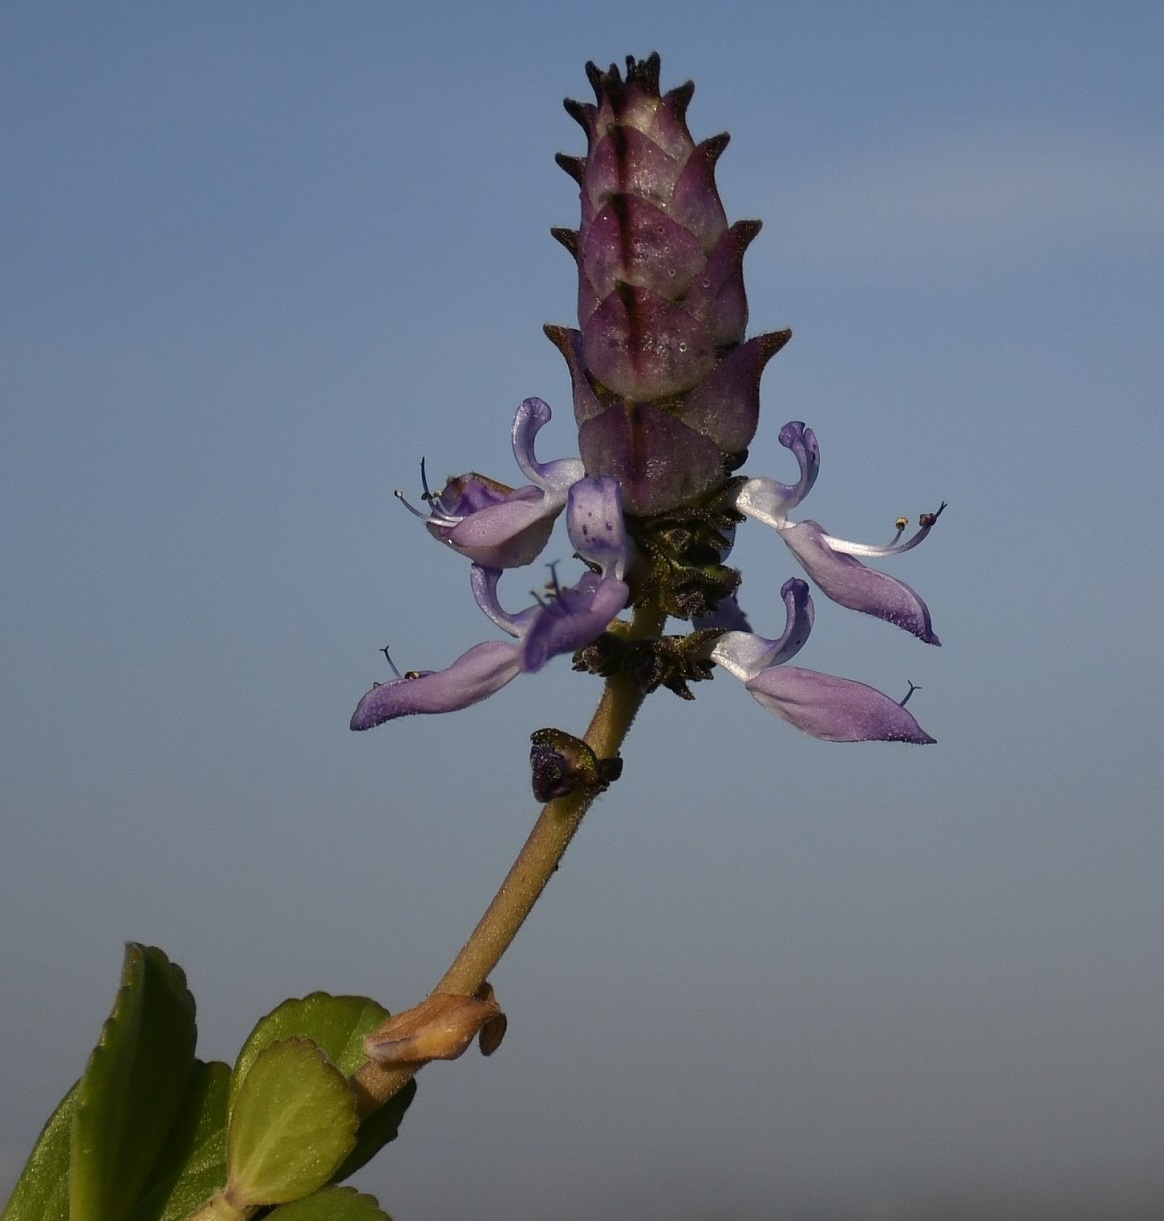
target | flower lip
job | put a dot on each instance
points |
(475, 675)
(835, 709)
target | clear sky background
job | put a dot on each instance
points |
(257, 260)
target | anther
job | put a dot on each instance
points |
(412, 509)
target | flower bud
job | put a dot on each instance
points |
(666, 390)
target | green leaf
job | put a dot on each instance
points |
(377, 1130)
(132, 1087)
(192, 1165)
(292, 1124)
(332, 1204)
(42, 1191)
(337, 1024)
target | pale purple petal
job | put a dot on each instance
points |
(768, 500)
(848, 582)
(834, 709)
(572, 619)
(506, 535)
(745, 654)
(483, 582)
(474, 676)
(596, 527)
(552, 477)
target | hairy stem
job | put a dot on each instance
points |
(621, 700)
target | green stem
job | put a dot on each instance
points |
(621, 700)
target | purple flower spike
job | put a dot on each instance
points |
(832, 709)
(830, 561)
(473, 677)
(665, 384)
(498, 526)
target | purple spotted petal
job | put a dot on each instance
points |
(834, 709)
(596, 527)
(573, 618)
(848, 582)
(474, 676)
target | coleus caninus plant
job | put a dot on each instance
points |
(666, 398)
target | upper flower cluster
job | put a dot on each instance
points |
(666, 395)
(666, 391)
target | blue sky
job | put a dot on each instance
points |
(256, 261)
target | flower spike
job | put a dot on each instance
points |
(665, 384)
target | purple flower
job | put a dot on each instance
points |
(499, 526)
(830, 561)
(563, 622)
(833, 709)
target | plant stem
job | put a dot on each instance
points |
(621, 700)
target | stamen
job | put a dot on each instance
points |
(414, 511)
(925, 524)
(551, 590)
(388, 659)
(901, 524)
(434, 517)
(912, 688)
